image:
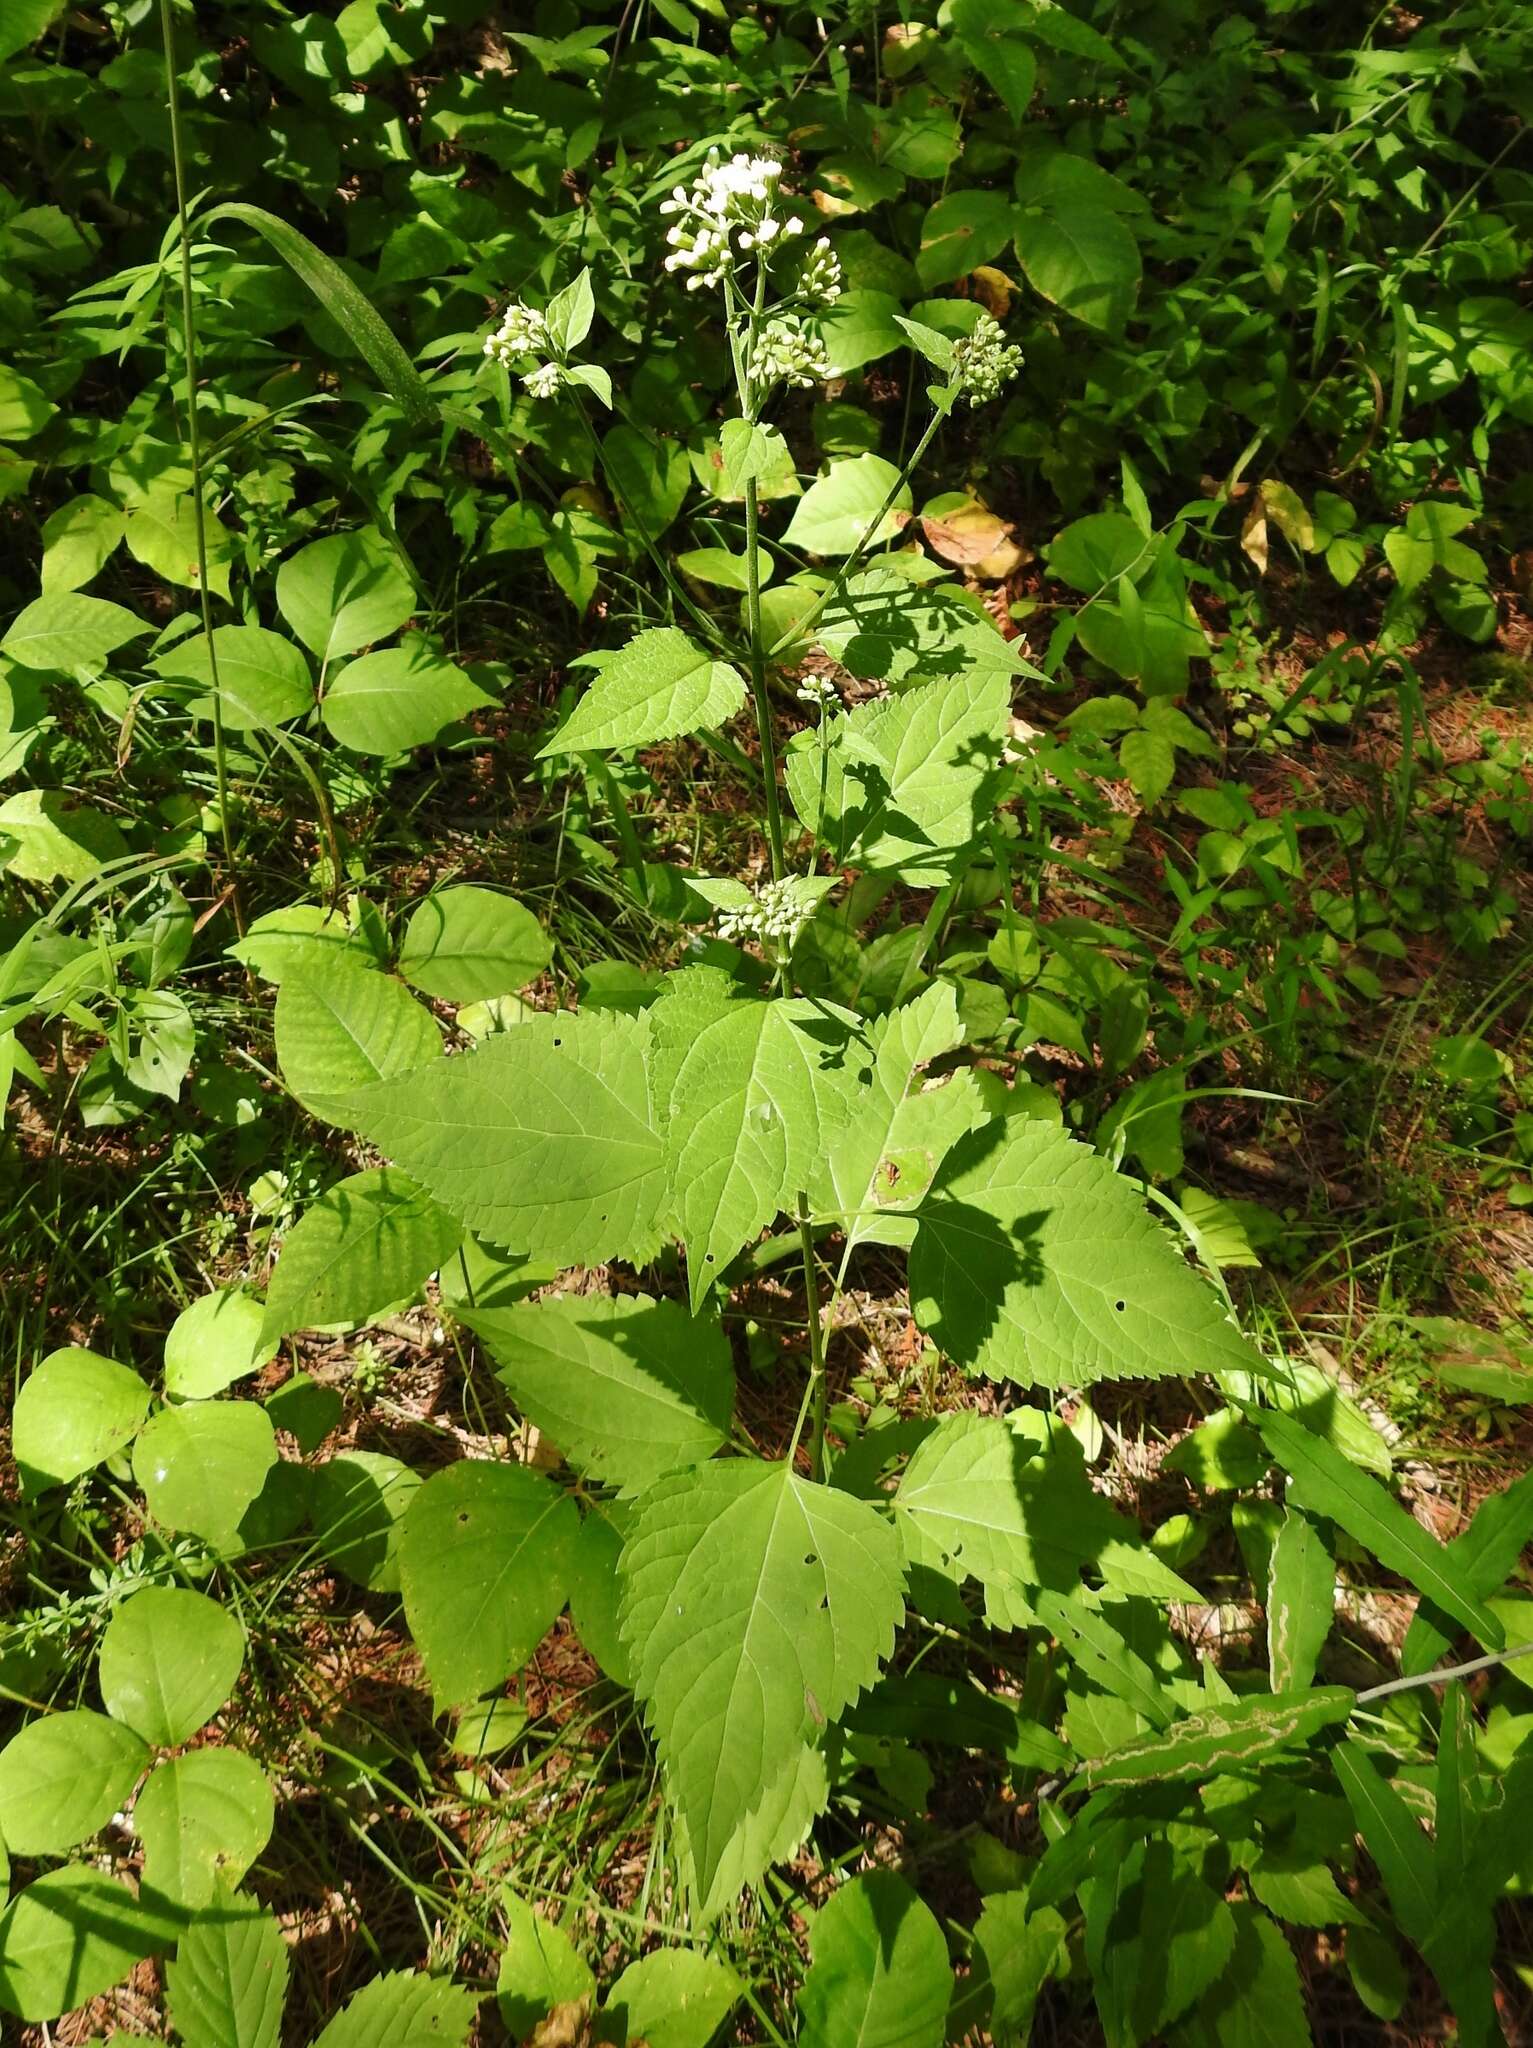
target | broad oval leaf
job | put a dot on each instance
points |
(201, 1466)
(398, 698)
(467, 944)
(203, 1819)
(366, 1243)
(540, 1968)
(1082, 259)
(657, 687)
(357, 1501)
(263, 680)
(74, 1410)
(673, 1998)
(62, 1778)
(65, 631)
(168, 1661)
(839, 510)
(878, 1972)
(344, 593)
(1034, 1261)
(627, 1387)
(482, 1560)
(72, 1934)
(757, 1606)
(214, 1342)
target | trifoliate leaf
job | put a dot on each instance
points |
(203, 1819)
(74, 1410)
(1034, 1261)
(541, 1140)
(72, 1934)
(398, 698)
(168, 1661)
(342, 1029)
(201, 1465)
(228, 1980)
(357, 1502)
(263, 680)
(366, 1243)
(749, 1095)
(878, 1972)
(657, 687)
(64, 631)
(214, 1342)
(885, 1159)
(757, 1606)
(627, 1387)
(482, 1554)
(62, 1778)
(344, 592)
(905, 786)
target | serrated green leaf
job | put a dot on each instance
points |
(1323, 1481)
(228, 1979)
(403, 2010)
(398, 698)
(482, 1558)
(1034, 1261)
(627, 1387)
(878, 1972)
(74, 1410)
(467, 944)
(657, 687)
(1227, 1738)
(1258, 2002)
(1015, 1953)
(752, 1094)
(367, 1242)
(341, 1030)
(168, 1661)
(757, 1605)
(203, 1819)
(72, 1934)
(62, 1778)
(905, 784)
(541, 1140)
(1301, 1602)
(1156, 1937)
(883, 627)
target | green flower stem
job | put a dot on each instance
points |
(194, 450)
(741, 352)
(816, 1391)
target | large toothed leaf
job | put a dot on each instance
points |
(403, 2010)
(627, 1387)
(757, 1606)
(884, 1161)
(229, 1978)
(749, 1095)
(1034, 1261)
(541, 1141)
(657, 687)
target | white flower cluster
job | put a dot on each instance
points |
(985, 363)
(523, 332)
(731, 209)
(775, 912)
(787, 352)
(822, 282)
(818, 690)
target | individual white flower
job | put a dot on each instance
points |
(787, 352)
(776, 914)
(822, 282)
(818, 690)
(522, 332)
(985, 362)
(544, 381)
(729, 210)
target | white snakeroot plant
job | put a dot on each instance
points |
(758, 1600)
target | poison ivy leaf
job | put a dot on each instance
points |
(1146, 634)
(1301, 1602)
(753, 1092)
(403, 2010)
(539, 1968)
(168, 1661)
(203, 1818)
(338, 1031)
(466, 944)
(78, 540)
(906, 781)
(656, 687)
(1258, 2001)
(398, 698)
(965, 229)
(161, 532)
(64, 631)
(1082, 259)
(228, 1979)
(1148, 759)
(482, 1561)
(263, 680)
(1227, 1738)
(886, 1158)
(673, 1998)
(1006, 64)
(200, 1467)
(367, 1242)
(44, 837)
(628, 1388)
(62, 1778)
(1323, 1481)
(839, 511)
(1302, 1891)
(1157, 1936)
(650, 478)
(878, 1975)
(1034, 1261)
(74, 1410)
(757, 1605)
(302, 938)
(858, 329)
(357, 1501)
(72, 1934)
(344, 593)
(541, 1140)
(215, 1342)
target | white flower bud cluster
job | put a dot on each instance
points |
(732, 209)
(985, 362)
(523, 332)
(776, 913)
(818, 690)
(787, 352)
(822, 282)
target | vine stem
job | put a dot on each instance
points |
(194, 450)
